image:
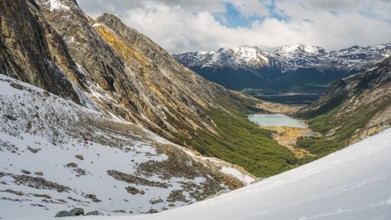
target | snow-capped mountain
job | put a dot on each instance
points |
(300, 69)
(240, 57)
(288, 58)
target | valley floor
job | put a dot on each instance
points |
(353, 183)
(279, 108)
(287, 137)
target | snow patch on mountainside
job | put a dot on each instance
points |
(56, 155)
(56, 5)
(353, 183)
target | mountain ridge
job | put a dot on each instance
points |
(350, 110)
(300, 69)
(288, 58)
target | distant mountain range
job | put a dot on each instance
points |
(295, 69)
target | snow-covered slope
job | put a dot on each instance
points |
(239, 57)
(288, 58)
(56, 155)
(353, 183)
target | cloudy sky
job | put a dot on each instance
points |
(204, 25)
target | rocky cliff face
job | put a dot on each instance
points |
(144, 83)
(31, 50)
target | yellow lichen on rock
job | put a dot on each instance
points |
(119, 45)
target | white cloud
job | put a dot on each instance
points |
(180, 26)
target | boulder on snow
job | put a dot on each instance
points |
(152, 211)
(94, 213)
(63, 214)
(73, 212)
(77, 212)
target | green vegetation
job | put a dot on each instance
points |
(267, 84)
(241, 142)
(345, 126)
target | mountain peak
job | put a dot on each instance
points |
(251, 54)
(299, 48)
(108, 17)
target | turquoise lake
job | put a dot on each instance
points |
(275, 120)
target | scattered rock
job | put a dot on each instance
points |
(10, 117)
(61, 200)
(71, 165)
(94, 213)
(80, 172)
(73, 212)
(77, 212)
(63, 214)
(42, 196)
(33, 150)
(36, 182)
(176, 195)
(18, 193)
(39, 173)
(26, 172)
(119, 211)
(135, 180)
(38, 205)
(154, 202)
(29, 125)
(92, 197)
(75, 200)
(80, 157)
(134, 191)
(17, 86)
(152, 211)
(47, 94)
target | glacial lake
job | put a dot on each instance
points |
(275, 120)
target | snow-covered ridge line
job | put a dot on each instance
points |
(287, 58)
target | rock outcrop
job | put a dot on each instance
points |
(32, 51)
